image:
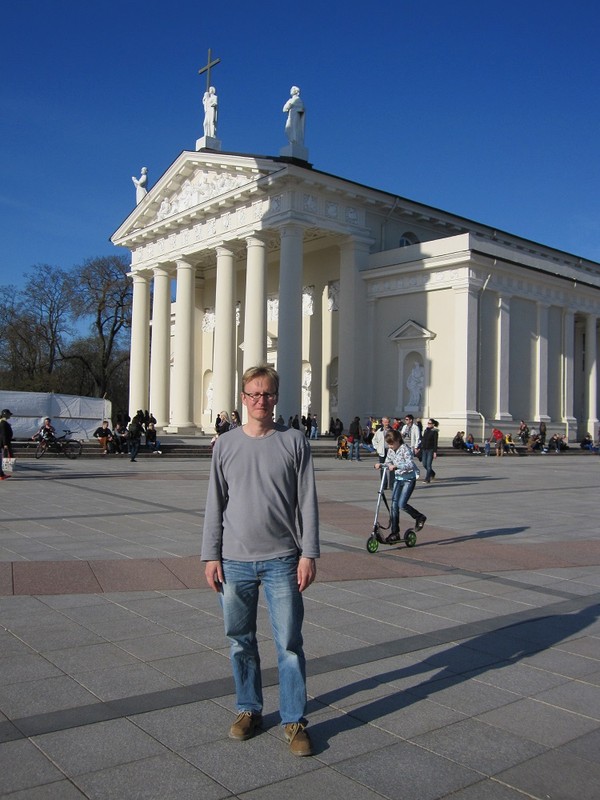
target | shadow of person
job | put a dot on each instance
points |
(493, 649)
(485, 534)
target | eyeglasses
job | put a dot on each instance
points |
(254, 397)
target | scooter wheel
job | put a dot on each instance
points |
(372, 544)
(410, 538)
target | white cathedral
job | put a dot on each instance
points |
(366, 303)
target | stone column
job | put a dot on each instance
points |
(541, 389)
(503, 359)
(352, 389)
(289, 350)
(328, 309)
(255, 317)
(198, 379)
(591, 373)
(160, 353)
(140, 344)
(183, 349)
(466, 299)
(224, 337)
(568, 376)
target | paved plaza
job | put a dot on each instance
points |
(467, 667)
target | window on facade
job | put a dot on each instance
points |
(407, 239)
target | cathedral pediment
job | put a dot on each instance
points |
(411, 331)
(194, 185)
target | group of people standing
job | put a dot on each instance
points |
(308, 423)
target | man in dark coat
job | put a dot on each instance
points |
(6, 436)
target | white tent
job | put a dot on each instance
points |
(80, 415)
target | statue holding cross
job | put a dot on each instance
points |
(210, 100)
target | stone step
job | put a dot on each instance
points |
(199, 447)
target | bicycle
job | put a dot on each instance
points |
(70, 448)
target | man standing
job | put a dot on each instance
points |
(6, 436)
(135, 431)
(411, 434)
(261, 526)
(381, 447)
(355, 436)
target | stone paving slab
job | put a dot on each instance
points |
(466, 668)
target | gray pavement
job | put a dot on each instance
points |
(467, 667)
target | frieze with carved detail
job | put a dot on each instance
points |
(202, 187)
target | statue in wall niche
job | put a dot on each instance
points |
(306, 389)
(415, 385)
(211, 107)
(333, 293)
(209, 398)
(294, 126)
(140, 185)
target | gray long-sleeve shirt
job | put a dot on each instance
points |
(262, 498)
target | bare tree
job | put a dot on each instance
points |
(102, 292)
(47, 305)
(35, 324)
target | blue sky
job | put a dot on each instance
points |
(486, 109)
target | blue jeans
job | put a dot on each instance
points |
(400, 497)
(427, 461)
(239, 599)
(355, 450)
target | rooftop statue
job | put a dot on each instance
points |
(140, 185)
(294, 126)
(211, 104)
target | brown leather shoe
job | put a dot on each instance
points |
(298, 739)
(245, 725)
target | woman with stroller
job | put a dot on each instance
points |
(399, 462)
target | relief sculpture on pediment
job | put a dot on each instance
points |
(202, 187)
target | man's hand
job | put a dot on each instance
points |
(213, 573)
(307, 572)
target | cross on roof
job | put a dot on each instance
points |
(206, 69)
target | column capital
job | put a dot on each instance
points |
(138, 277)
(224, 249)
(356, 243)
(255, 240)
(181, 263)
(291, 229)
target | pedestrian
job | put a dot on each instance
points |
(381, 446)
(497, 439)
(6, 437)
(429, 445)
(261, 527)
(135, 429)
(354, 437)
(411, 434)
